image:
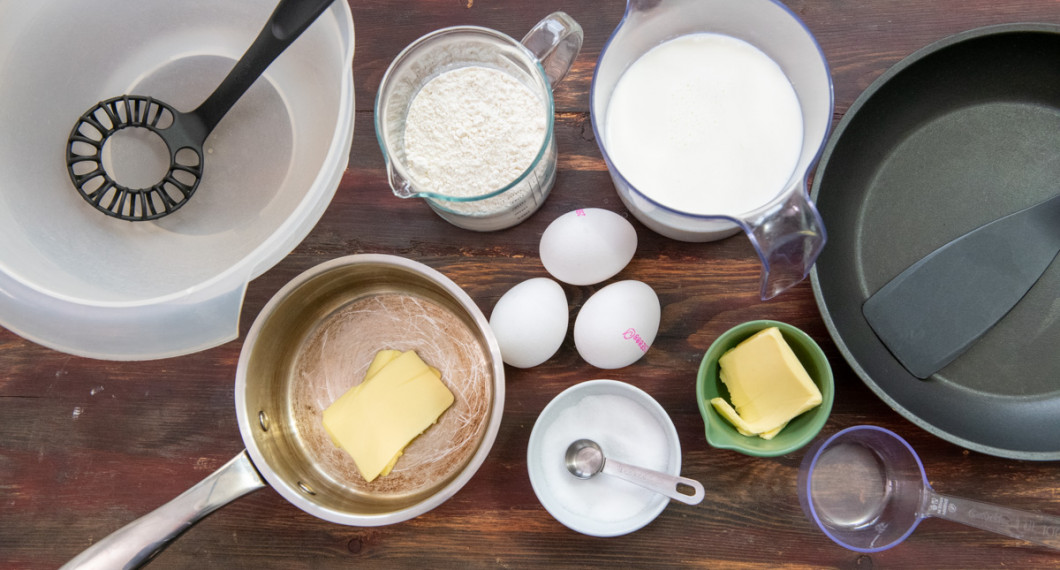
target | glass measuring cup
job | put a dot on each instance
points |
(786, 232)
(866, 489)
(539, 62)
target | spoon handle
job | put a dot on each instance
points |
(287, 22)
(669, 485)
(1033, 527)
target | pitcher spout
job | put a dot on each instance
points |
(788, 238)
(402, 188)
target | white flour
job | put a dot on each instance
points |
(471, 131)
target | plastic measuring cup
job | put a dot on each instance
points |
(539, 62)
(866, 489)
(787, 232)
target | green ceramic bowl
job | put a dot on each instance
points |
(799, 431)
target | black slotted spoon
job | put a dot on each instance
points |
(183, 133)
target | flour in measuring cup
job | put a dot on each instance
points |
(471, 131)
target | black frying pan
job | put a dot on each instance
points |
(958, 134)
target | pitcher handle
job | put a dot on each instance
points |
(555, 41)
(788, 239)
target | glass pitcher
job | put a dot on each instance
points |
(787, 232)
(539, 62)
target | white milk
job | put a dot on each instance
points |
(705, 124)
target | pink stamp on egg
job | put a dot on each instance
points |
(631, 334)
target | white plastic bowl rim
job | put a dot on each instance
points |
(196, 317)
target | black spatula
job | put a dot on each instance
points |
(934, 310)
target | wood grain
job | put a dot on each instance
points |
(87, 446)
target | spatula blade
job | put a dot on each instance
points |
(934, 310)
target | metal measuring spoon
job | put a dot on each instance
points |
(585, 459)
(183, 133)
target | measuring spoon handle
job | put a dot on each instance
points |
(1025, 525)
(662, 483)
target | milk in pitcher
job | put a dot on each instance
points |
(705, 124)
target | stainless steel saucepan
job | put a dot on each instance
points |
(311, 343)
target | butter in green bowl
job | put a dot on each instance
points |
(800, 430)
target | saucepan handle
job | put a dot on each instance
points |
(137, 542)
(555, 41)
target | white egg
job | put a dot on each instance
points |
(530, 322)
(615, 327)
(587, 246)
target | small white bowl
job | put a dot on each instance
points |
(631, 427)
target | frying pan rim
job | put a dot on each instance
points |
(822, 303)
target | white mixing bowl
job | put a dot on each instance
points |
(78, 281)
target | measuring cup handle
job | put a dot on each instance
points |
(555, 41)
(788, 239)
(137, 542)
(662, 483)
(1025, 525)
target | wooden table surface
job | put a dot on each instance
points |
(87, 446)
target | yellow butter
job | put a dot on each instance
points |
(767, 384)
(726, 411)
(400, 398)
(382, 358)
(773, 432)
